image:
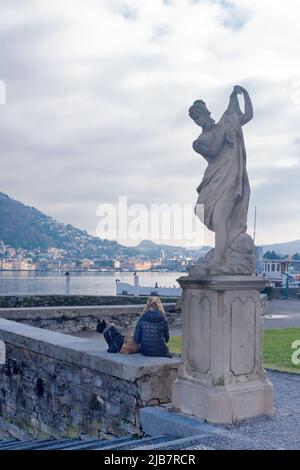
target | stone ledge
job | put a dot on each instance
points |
(74, 319)
(167, 420)
(73, 311)
(83, 352)
(11, 301)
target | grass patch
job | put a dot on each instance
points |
(278, 349)
(276, 345)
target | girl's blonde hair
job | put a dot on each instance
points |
(154, 303)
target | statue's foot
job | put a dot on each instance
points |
(239, 258)
(216, 265)
(216, 262)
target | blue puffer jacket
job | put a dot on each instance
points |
(152, 333)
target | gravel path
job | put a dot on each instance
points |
(282, 431)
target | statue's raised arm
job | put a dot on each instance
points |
(234, 106)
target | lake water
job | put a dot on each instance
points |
(81, 283)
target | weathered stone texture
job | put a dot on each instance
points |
(61, 400)
(222, 379)
(56, 385)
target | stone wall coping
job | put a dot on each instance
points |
(74, 311)
(82, 352)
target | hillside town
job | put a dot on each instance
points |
(55, 259)
(269, 263)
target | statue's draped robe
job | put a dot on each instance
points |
(225, 178)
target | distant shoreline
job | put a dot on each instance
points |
(88, 271)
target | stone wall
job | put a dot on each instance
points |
(76, 319)
(57, 385)
(8, 301)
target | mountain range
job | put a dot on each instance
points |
(287, 248)
(25, 227)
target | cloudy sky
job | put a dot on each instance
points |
(98, 93)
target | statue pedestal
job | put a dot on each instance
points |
(222, 379)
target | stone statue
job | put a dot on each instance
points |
(224, 191)
(221, 379)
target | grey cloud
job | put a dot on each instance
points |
(70, 141)
(235, 18)
(129, 13)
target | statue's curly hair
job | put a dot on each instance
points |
(198, 107)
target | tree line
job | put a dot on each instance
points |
(273, 255)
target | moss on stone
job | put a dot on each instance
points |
(72, 432)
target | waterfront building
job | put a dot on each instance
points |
(274, 269)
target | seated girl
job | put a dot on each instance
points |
(152, 331)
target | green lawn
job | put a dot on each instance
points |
(277, 348)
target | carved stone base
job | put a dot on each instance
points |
(223, 404)
(222, 379)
